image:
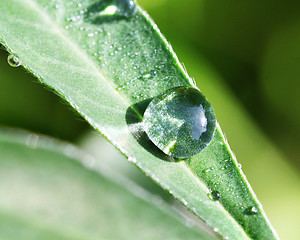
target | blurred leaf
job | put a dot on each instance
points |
(101, 64)
(48, 191)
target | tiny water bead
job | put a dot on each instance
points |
(13, 61)
(180, 122)
(124, 8)
(251, 210)
(215, 196)
(151, 74)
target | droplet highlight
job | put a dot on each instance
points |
(251, 210)
(132, 159)
(180, 122)
(13, 61)
(214, 195)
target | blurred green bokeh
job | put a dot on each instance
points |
(254, 46)
(251, 51)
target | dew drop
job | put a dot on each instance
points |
(153, 73)
(150, 74)
(214, 195)
(180, 122)
(185, 203)
(208, 170)
(132, 159)
(13, 61)
(251, 210)
(146, 75)
(126, 8)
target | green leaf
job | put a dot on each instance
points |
(48, 191)
(102, 64)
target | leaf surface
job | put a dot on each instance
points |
(108, 67)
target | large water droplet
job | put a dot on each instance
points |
(180, 122)
(13, 60)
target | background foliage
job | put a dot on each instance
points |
(245, 57)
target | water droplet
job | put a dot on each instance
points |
(208, 170)
(214, 195)
(150, 74)
(185, 203)
(251, 210)
(180, 122)
(153, 73)
(13, 60)
(126, 8)
(132, 159)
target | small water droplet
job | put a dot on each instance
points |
(216, 230)
(239, 166)
(251, 210)
(150, 74)
(132, 159)
(147, 75)
(208, 170)
(185, 203)
(180, 122)
(126, 8)
(13, 61)
(153, 73)
(214, 195)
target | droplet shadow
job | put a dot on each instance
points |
(133, 117)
